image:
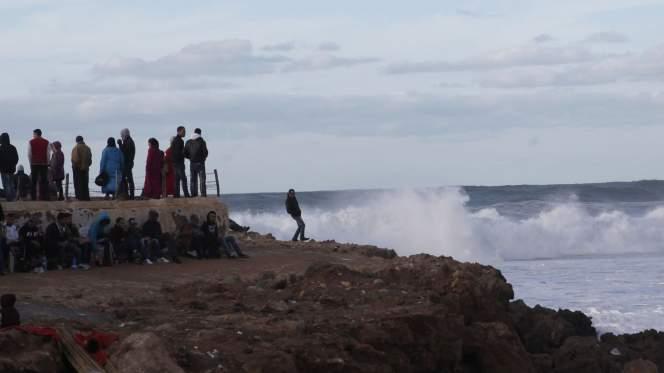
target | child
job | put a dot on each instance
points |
(10, 316)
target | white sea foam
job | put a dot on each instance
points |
(438, 222)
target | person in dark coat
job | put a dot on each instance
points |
(293, 209)
(153, 170)
(56, 168)
(215, 237)
(8, 162)
(10, 315)
(196, 151)
(128, 149)
(177, 148)
(158, 244)
(62, 249)
(22, 183)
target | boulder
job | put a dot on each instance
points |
(27, 353)
(640, 366)
(143, 353)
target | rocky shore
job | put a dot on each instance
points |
(319, 307)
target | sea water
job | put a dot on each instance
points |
(597, 248)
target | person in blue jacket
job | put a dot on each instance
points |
(112, 163)
(99, 237)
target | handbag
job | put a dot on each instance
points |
(102, 179)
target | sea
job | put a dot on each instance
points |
(596, 248)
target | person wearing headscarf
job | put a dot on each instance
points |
(112, 162)
(99, 237)
(56, 168)
(153, 170)
(128, 149)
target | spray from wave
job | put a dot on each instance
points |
(439, 222)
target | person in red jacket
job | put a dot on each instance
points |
(39, 156)
(153, 170)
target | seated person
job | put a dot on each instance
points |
(158, 245)
(118, 237)
(30, 238)
(62, 243)
(22, 183)
(99, 234)
(10, 316)
(215, 237)
(138, 253)
(12, 244)
(183, 236)
(75, 252)
(197, 238)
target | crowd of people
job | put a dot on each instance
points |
(59, 245)
(165, 171)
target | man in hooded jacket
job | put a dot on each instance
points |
(8, 162)
(196, 151)
(128, 149)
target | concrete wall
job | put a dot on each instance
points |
(84, 212)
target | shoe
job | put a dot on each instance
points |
(59, 267)
(74, 267)
(294, 240)
(84, 267)
(304, 239)
(39, 270)
(163, 260)
(177, 260)
(192, 254)
(147, 261)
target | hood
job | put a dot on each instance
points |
(4, 139)
(195, 136)
(93, 231)
(57, 145)
(124, 134)
(20, 169)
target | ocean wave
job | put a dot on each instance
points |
(439, 222)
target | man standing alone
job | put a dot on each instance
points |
(196, 151)
(81, 159)
(39, 155)
(177, 147)
(128, 149)
(8, 162)
(293, 209)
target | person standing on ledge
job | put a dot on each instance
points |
(56, 168)
(293, 209)
(81, 160)
(39, 155)
(196, 151)
(112, 163)
(8, 162)
(128, 149)
(177, 149)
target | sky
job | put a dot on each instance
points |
(349, 94)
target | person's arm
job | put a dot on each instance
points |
(14, 156)
(204, 150)
(187, 149)
(75, 158)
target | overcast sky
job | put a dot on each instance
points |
(350, 94)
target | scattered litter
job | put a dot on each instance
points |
(615, 352)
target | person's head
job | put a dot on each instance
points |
(120, 222)
(67, 218)
(182, 131)
(20, 168)
(132, 222)
(110, 142)
(105, 221)
(124, 134)
(10, 219)
(35, 219)
(291, 193)
(61, 218)
(79, 139)
(153, 215)
(153, 143)
(4, 139)
(198, 131)
(212, 217)
(37, 133)
(57, 146)
(7, 300)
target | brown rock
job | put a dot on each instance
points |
(143, 353)
(23, 352)
(640, 366)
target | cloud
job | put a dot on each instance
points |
(645, 67)
(329, 46)
(226, 58)
(527, 55)
(280, 47)
(543, 38)
(606, 37)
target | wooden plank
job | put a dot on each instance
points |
(79, 359)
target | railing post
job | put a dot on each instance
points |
(216, 180)
(67, 187)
